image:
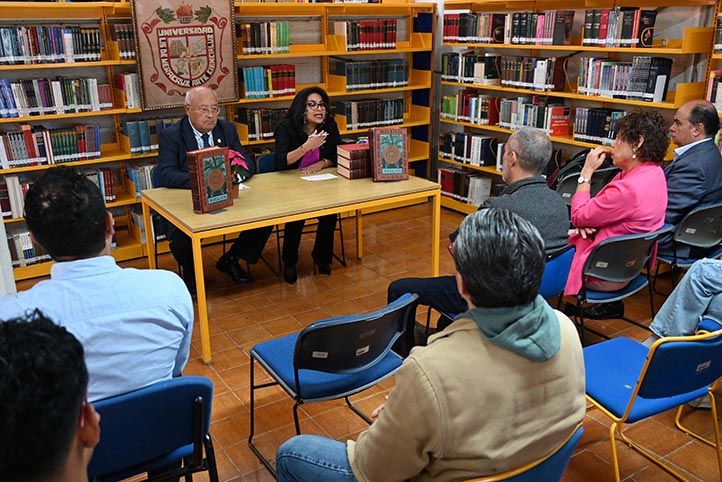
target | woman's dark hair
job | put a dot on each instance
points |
(298, 108)
(646, 124)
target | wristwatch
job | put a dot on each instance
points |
(583, 179)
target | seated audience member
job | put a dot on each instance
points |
(632, 203)
(526, 154)
(200, 128)
(501, 386)
(135, 324)
(48, 430)
(694, 178)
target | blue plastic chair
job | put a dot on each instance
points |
(629, 383)
(556, 272)
(547, 469)
(331, 359)
(154, 427)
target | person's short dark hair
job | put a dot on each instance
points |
(297, 111)
(647, 124)
(500, 257)
(533, 148)
(705, 113)
(66, 213)
(43, 382)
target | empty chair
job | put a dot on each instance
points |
(547, 469)
(567, 186)
(331, 359)
(151, 428)
(556, 272)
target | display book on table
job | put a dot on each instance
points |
(354, 160)
(210, 175)
(389, 153)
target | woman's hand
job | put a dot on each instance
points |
(586, 233)
(315, 140)
(594, 160)
(315, 167)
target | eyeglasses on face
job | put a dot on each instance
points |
(312, 104)
(205, 110)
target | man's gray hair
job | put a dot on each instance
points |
(533, 149)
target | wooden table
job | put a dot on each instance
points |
(281, 197)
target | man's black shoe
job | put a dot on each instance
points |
(599, 311)
(227, 264)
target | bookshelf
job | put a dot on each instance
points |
(675, 37)
(311, 44)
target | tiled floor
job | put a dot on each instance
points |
(395, 246)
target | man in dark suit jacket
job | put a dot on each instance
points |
(694, 178)
(201, 128)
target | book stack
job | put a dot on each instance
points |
(354, 160)
(23, 251)
(467, 187)
(127, 88)
(32, 97)
(618, 27)
(470, 106)
(468, 148)
(261, 123)
(470, 68)
(367, 113)
(258, 38)
(268, 81)
(371, 74)
(122, 33)
(49, 43)
(535, 73)
(596, 125)
(367, 34)
(645, 78)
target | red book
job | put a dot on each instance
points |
(353, 151)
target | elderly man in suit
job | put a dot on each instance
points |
(694, 178)
(201, 128)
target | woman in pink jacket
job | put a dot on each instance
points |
(634, 201)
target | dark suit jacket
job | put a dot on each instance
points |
(175, 142)
(694, 179)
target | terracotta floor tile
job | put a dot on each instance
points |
(340, 422)
(227, 405)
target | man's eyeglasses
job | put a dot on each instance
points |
(313, 105)
(207, 110)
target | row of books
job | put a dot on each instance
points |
(468, 187)
(714, 92)
(596, 125)
(261, 123)
(542, 112)
(264, 37)
(40, 44)
(37, 145)
(371, 74)
(470, 106)
(367, 34)
(645, 78)
(718, 34)
(362, 114)
(472, 149)
(23, 250)
(268, 81)
(129, 84)
(551, 27)
(141, 174)
(123, 34)
(31, 97)
(618, 27)
(354, 160)
(470, 67)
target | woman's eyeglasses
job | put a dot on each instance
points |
(313, 105)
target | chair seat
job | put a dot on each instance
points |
(608, 296)
(276, 356)
(157, 463)
(612, 369)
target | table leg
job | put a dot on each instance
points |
(201, 299)
(149, 241)
(435, 233)
(359, 235)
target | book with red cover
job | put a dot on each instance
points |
(210, 175)
(389, 153)
(353, 151)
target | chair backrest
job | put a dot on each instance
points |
(352, 343)
(567, 186)
(266, 163)
(681, 364)
(547, 469)
(149, 423)
(702, 227)
(556, 272)
(620, 258)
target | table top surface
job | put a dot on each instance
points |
(278, 194)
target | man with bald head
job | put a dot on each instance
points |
(694, 178)
(200, 128)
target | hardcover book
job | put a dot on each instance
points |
(209, 171)
(389, 153)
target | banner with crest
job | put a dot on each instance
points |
(184, 44)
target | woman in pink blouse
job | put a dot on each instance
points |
(634, 201)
